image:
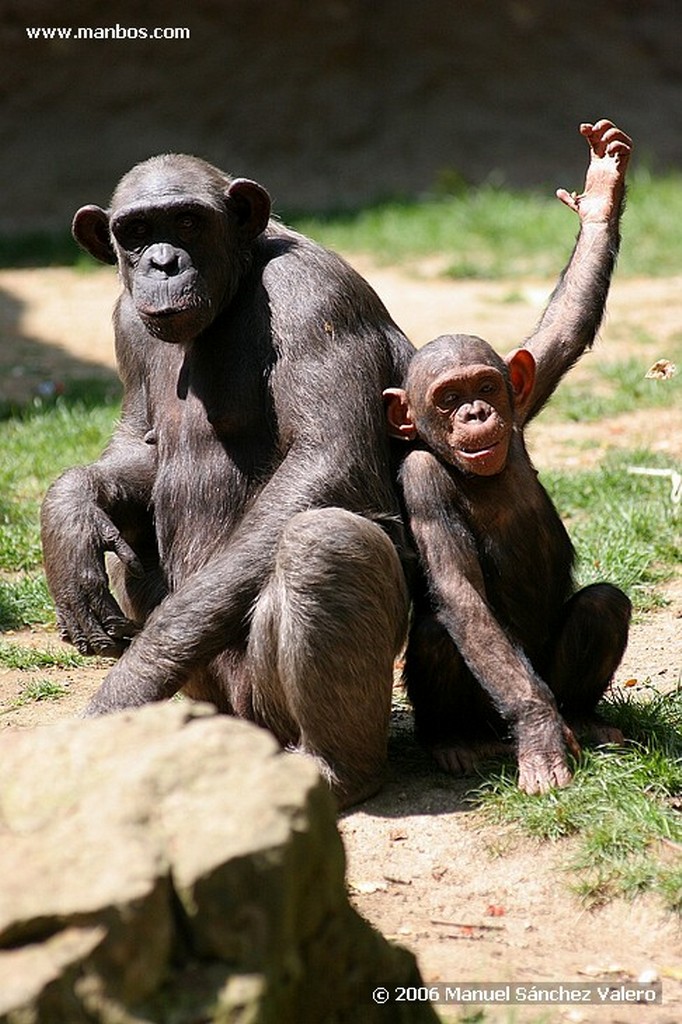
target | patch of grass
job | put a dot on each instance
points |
(19, 542)
(480, 231)
(615, 388)
(40, 689)
(651, 222)
(646, 714)
(25, 602)
(620, 805)
(17, 656)
(495, 231)
(624, 526)
(42, 441)
(37, 445)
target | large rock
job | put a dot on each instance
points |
(170, 866)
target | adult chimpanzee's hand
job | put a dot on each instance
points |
(87, 614)
(602, 195)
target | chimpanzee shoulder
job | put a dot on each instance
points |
(297, 270)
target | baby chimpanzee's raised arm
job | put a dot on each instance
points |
(571, 320)
(498, 635)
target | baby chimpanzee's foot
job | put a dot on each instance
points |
(462, 757)
(593, 731)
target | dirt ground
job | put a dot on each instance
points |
(475, 902)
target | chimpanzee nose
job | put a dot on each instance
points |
(477, 411)
(164, 257)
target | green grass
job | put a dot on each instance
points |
(489, 231)
(480, 233)
(25, 602)
(624, 527)
(20, 658)
(39, 689)
(623, 805)
(17, 656)
(615, 388)
(37, 444)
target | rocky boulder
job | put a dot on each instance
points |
(173, 866)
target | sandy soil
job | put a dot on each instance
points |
(475, 902)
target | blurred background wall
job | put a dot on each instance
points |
(329, 103)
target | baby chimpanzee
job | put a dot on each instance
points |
(499, 635)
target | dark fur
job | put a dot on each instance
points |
(240, 489)
(497, 625)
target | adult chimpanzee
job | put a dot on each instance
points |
(498, 632)
(248, 493)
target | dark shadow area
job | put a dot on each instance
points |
(33, 371)
(41, 249)
(414, 784)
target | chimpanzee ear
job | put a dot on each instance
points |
(521, 366)
(90, 228)
(400, 423)
(251, 204)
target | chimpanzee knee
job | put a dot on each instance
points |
(591, 643)
(447, 699)
(324, 635)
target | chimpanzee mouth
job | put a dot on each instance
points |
(164, 314)
(480, 453)
(178, 323)
(164, 306)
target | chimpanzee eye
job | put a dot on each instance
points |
(447, 400)
(137, 230)
(490, 386)
(186, 222)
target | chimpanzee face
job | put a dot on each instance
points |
(467, 419)
(181, 233)
(171, 256)
(461, 399)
